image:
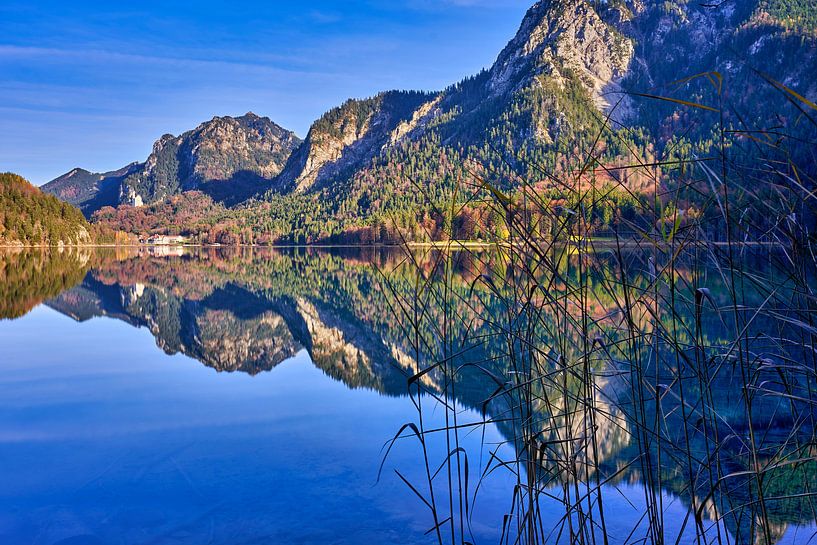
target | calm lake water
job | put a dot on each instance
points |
(236, 398)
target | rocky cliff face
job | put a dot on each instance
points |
(735, 38)
(575, 66)
(559, 40)
(227, 158)
(346, 139)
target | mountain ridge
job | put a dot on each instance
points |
(578, 77)
(239, 152)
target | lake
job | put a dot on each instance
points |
(237, 396)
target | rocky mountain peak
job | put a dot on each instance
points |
(162, 142)
(567, 66)
(229, 158)
(75, 172)
(559, 38)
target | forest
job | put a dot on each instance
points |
(30, 217)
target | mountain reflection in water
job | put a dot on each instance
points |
(250, 310)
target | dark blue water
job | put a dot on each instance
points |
(106, 438)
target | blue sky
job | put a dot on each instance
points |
(93, 84)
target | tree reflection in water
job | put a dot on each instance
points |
(611, 384)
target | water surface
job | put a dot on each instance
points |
(222, 397)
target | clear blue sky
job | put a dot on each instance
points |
(93, 84)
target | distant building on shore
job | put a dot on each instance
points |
(164, 240)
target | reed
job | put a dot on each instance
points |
(677, 355)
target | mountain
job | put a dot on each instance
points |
(90, 191)
(346, 137)
(619, 84)
(30, 217)
(227, 158)
(541, 109)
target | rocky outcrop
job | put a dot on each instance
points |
(346, 139)
(557, 40)
(561, 39)
(227, 158)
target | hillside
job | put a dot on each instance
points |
(90, 191)
(621, 84)
(229, 159)
(30, 217)
(346, 138)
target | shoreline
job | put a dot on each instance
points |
(448, 244)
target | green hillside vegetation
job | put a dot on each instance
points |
(30, 217)
(795, 14)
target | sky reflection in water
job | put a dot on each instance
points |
(104, 438)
